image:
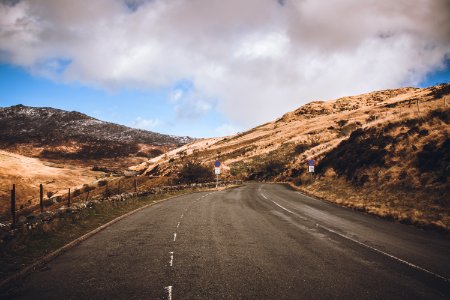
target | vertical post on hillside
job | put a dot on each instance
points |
(118, 188)
(135, 185)
(13, 205)
(41, 197)
(87, 195)
(68, 199)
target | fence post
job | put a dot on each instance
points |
(13, 205)
(68, 199)
(41, 197)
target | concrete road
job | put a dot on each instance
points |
(258, 241)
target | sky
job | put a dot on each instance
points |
(207, 68)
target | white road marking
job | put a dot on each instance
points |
(169, 292)
(264, 196)
(370, 247)
(182, 215)
(384, 253)
(282, 207)
(171, 259)
(178, 225)
(174, 236)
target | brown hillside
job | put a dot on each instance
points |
(391, 143)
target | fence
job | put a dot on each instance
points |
(108, 192)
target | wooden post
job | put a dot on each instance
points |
(13, 205)
(87, 196)
(68, 199)
(41, 197)
(135, 185)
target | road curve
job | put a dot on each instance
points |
(258, 241)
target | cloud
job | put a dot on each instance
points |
(251, 60)
(226, 129)
(146, 124)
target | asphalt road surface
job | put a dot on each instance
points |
(258, 241)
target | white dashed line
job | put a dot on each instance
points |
(264, 196)
(182, 215)
(178, 225)
(169, 292)
(174, 236)
(171, 259)
(368, 246)
(282, 207)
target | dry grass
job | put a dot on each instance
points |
(388, 182)
(27, 173)
(421, 208)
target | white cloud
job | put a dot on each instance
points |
(226, 129)
(252, 60)
(146, 124)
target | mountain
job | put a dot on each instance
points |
(55, 134)
(385, 152)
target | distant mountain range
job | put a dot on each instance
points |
(54, 133)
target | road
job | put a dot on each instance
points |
(257, 241)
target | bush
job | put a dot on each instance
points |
(300, 148)
(86, 188)
(371, 118)
(342, 122)
(435, 159)
(76, 193)
(194, 172)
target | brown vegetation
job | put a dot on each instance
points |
(393, 144)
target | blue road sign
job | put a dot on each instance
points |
(217, 164)
(311, 162)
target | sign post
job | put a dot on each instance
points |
(311, 164)
(217, 171)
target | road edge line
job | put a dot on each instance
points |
(49, 257)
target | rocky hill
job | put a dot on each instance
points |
(53, 133)
(385, 152)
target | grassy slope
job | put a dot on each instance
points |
(388, 165)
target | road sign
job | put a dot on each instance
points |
(217, 164)
(311, 162)
(311, 169)
(217, 171)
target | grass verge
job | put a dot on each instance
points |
(419, 208)
(30, 246)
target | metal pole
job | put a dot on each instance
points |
(41, 197)
(68, 199)
(13, 205)
(217, 181)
